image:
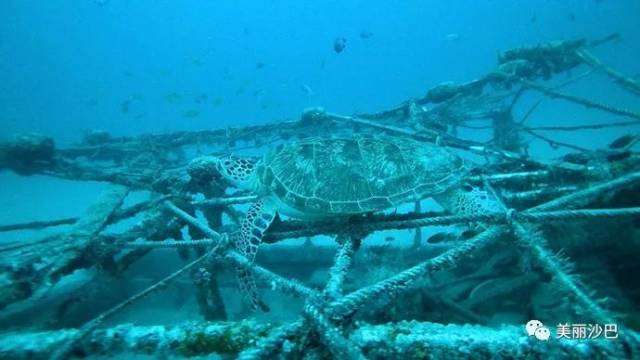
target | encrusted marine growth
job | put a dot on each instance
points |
(27, 154)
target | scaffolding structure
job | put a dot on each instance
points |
(336, 321)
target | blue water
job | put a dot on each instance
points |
(67, 66)
(134, 67)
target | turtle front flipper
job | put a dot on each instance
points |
(248, 288)
(254, 225)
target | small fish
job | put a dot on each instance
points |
(443, 237)
(365, 34)
(452, 37)
(197, 61)
(140, 116)
(339, 44)
(307, 89)
(200, 98)
(218, 101)
(389, 239)
(468, 234)
(533, 18)
(173, 97)
(624, 141)
(259, 65)
(125, 105)
(439, 237)
(323, 63)
(572, 17)
(190, 114)
(577, 158)
(256, 93)
(127, 73)
(619, 156)
(95, 137)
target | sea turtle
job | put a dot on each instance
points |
(331, 177)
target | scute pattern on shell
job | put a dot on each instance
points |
(355, 175)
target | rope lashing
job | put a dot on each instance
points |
(509, 216)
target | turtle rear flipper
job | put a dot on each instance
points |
(252, 230)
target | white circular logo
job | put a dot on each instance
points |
(531, 326)
(542, 333)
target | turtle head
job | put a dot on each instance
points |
(240, 172)
(469, 200)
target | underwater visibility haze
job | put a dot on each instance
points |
(319, 179)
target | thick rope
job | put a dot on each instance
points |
(392, 285)
(276, 281)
